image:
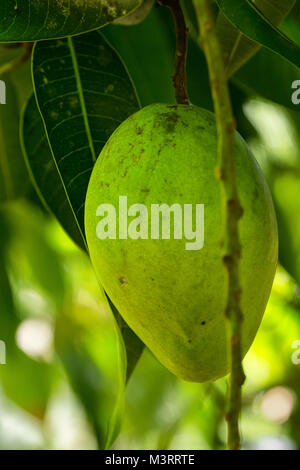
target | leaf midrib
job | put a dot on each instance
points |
(52, 153)
(81, 98)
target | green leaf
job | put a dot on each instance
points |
(83, 91)
(251, 22)
(154, 87)
(132, 343)
(31, 20)
(115, 422)
(138, 15)
(285, 186)
(43, 171)
(14, 181)
(85, 374)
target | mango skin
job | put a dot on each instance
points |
(172, 298)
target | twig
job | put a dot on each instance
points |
(19, 61)
(226, 173)
(180, 77)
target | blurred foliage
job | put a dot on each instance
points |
(79, 354)
(61, 383)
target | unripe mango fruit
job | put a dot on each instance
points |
(172, 297)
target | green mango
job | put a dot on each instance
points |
(170, 290)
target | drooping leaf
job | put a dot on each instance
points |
(152, 77)
(190, 18)
(21, 78)
(251, 22)
(31, 20)
(281, 74)
(138, 15)
(43, 171)
(25, 381)
(83, 91)
(291, 24)
(33, 257)
(14, 180)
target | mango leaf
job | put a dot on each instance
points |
(31, 20)
(83, 91)
(152, 86)
(32, 256)
(13, 174)
(284, 184)
(250, 21)
(138, 15)
(24, 380)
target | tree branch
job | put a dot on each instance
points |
(226, 173)
(180, 77)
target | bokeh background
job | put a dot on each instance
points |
(60, 382)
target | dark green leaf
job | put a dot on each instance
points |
(152, 77)
(287, 204)
(84, 93)
(31, 20)
(33, 257)
(154, 87)
(255, 25)
(43, 171)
